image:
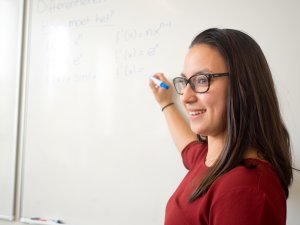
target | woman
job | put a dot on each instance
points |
(240, 168)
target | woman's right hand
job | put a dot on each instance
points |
(162, 96)
(179, 128)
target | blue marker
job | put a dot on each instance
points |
(159, 83)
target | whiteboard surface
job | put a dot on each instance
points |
(10, 28)
(96, 146)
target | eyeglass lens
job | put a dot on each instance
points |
(199, 83)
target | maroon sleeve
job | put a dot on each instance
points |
(193, 153)
(246, 206)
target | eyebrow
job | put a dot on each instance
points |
(204, 71)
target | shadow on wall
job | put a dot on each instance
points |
(293, 216)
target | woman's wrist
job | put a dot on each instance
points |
(166, 106)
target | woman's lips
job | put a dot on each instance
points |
(196, 113)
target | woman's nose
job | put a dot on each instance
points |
(188, 95)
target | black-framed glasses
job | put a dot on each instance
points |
(200, 83)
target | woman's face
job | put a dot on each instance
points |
(206, 111)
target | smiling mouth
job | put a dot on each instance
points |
(197, 112)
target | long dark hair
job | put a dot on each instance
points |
(253, 114)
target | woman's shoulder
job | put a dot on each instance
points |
(194, 153)
(253, 174)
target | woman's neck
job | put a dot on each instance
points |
(215, 147)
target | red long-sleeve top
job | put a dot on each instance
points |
(250, 194)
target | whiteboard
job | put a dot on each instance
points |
(10, 33)
(96, 146)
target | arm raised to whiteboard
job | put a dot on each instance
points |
(180, 130)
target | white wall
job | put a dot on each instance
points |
(10, 39)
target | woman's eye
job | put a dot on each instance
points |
(202, 81)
